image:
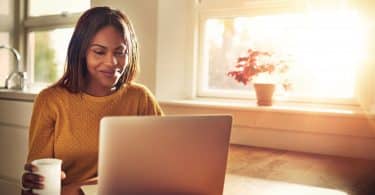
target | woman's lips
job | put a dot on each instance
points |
(109, 74)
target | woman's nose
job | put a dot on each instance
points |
(111, 59)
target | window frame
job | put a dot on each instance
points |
(257, 8)
(39, 23)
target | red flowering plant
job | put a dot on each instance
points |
(261, 66)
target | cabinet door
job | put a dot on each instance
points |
(14, 122)
(7, 187)
(17, 113)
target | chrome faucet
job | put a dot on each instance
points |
(17, 78)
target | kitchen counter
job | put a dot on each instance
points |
(21, 95)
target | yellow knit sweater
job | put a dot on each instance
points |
(66, 125)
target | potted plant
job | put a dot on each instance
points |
(264, 70)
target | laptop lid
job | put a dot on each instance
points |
(163, 155)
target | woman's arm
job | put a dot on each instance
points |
(42, 128)
(41, 135)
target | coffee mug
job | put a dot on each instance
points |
(50, 169)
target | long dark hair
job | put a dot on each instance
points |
(92, 21)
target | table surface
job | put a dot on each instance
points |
(268, 172)
(237, 184)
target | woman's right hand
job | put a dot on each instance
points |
(31, 180)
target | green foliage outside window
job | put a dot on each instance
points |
(45, 65)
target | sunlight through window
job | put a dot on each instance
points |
(327, 48)
(49, 53)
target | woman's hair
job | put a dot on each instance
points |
(92, 21)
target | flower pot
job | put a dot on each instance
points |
(264, 92)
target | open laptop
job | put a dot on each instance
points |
(163, 155)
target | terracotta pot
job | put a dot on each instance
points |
(264, 92)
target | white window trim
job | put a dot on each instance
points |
(51, 21)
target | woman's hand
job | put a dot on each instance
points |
(32, 181)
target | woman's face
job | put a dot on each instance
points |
(106, 59)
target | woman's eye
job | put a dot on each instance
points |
(99, 52)
(119, 53)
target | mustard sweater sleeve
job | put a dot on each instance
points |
(41, 132)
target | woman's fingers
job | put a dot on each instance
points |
(30, 167)
(31, 177)
(30, 180)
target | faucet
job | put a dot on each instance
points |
(16, 79)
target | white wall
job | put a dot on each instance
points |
(366, 79)
(175, 49)
(143, 14)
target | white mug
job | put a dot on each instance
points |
(50, 169)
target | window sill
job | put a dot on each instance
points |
(325, 129)
(277, 107)
(326, 119)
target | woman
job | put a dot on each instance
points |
(101, 65)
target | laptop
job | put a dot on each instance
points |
(163, 154)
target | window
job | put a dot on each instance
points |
(5, 57)
(48, 52)
(326, 39)
(48, 31)
(6, 36)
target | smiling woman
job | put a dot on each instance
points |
(102, 61)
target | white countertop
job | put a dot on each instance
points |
(20, 95)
